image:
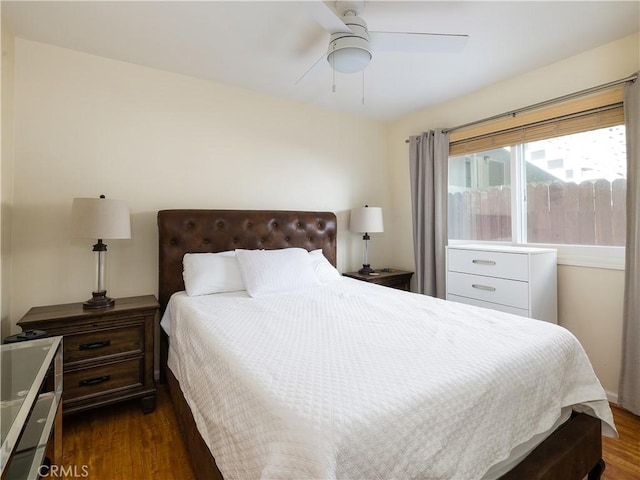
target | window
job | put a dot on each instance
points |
(563, 185)
(584, 205)
(585, 209)
(480, 196)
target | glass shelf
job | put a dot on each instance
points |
(27, 409)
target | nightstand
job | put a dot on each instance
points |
(108, 353)
(389, 277)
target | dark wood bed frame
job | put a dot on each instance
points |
(573, 451)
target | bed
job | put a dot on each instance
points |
(571, 449)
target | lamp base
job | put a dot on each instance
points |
(366, 269)
(99, 300)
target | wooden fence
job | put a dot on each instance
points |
(589, 213)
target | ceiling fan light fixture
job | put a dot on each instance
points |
(349, 54)
(349, 60)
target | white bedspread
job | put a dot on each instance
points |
(355, 380)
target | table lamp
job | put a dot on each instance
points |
(366, 220)
(100, 218)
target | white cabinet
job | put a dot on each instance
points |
(518, 280)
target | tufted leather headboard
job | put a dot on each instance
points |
(211, 231)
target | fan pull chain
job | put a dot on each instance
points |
(363, 88)
(333, 70)
(333, 88)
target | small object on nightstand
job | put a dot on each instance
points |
(389, 277)
(108, 353)
(26, 335)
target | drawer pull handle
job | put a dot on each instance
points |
(483, 262)
(94, 345)
(94, 381)
(484, 287)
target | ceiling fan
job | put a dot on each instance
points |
(351, 44)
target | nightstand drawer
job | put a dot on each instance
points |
(493, 264)
(102, 343)
(488, 289)
(102, 379)
(400, 283)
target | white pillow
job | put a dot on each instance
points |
(325, 272)
(205, 273)
(274, 271)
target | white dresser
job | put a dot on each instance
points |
(518, 280)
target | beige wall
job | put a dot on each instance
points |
(593, 310)
(87, 125)
(6, 177)
(590, 306)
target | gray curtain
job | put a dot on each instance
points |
(428, 159)
(629, 394)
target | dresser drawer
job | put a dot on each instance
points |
(103, 379)
(512, 266)
(494, 306)
(102, 343)
(488, 289)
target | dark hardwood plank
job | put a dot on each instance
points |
(119, 442)
(622, 455)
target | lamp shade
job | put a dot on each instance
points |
(366, 220)
(100, 218)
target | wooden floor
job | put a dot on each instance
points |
(622, 455)
(121, 443)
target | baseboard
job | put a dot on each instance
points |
(612, 397)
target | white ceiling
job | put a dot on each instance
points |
(266, 46)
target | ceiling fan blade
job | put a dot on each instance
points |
(327, 18)
(314, 70)
(417, 42)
